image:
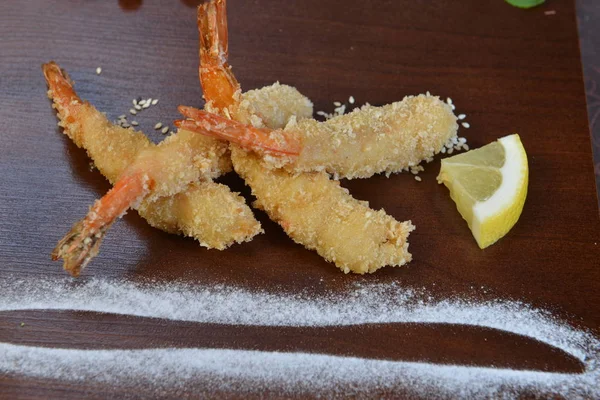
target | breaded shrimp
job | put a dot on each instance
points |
(356, 145)
(321, 215)
(207, 211)
(313, 210)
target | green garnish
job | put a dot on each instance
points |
(525, 3)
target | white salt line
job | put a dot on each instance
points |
(370, 303)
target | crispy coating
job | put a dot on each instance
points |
(273, 106)
(367, 141)
(207, 211)
(321, 215)
(371, 139)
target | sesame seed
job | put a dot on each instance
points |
(98, 71)
(134, 123)
(453, 107)
(158, 126)
(146, 104)
(154, 102)
(337, 103)
(122, 116)
(125, 125)
(443, 150)
(137, 107)
(418, 178)
(322, 113)
(142, 102)
(132, 112)
(462, 116)
(351, 100)
(466, 147)
(466, 124)
(135, 102)
(549, 12)
(449, 100)
(450, 150)
(165, 130)
(171, 133)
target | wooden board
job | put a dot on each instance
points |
(508, 69)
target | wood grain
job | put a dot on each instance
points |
(509, 70)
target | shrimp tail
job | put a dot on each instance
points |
(78, 247)
(262, 140)
(218, 82)
(60, 86)
(82, 243)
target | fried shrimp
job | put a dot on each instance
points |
(312, 209)
(207, 211)
(356, 145)
(321, 215)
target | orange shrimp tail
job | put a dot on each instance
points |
(82, 243)
(218, 83)
(60, 86)
(274, 142)
(78, 247)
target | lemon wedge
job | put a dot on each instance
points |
(489, 187)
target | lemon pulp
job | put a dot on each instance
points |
(489, 187)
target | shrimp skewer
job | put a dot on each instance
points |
(312, 209)
(207, 211)
(356, 145)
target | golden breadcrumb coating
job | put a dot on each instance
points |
(371, 139)
(316, 211)
(273, 106)
(191, 212)
(321, 215)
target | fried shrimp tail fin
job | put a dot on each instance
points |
(218, 83)
(61, 84)
(212, 125)
(82, 243)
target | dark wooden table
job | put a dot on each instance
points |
(508, 69)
